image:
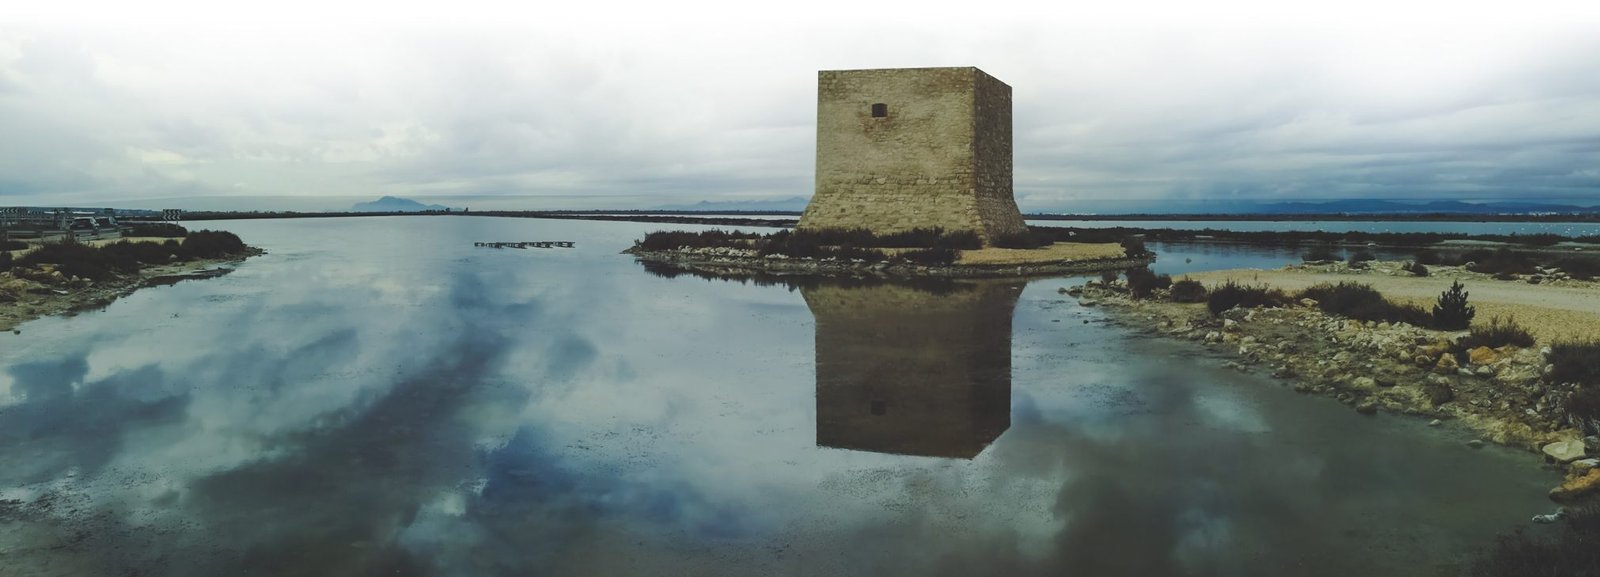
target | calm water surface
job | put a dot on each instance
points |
(378, 397)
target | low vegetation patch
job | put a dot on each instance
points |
(1579, 267)
(1499, 262)
(677, 239)
(1573, 550)
(1363, 303)
(1583, 409)
(1498, 333)
(159, 229)
(100, 263)
(1232, 294)
(1029, 239)
(1134, 247)
(1576, 362)
(1416, 268)
(1142, 282)
(12, 245)
(1187, 291)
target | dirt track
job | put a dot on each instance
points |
(1571, 310)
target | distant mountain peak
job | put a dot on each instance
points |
(395, 204)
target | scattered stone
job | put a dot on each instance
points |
(1310, 303)
(1565, 451)
(1584, 465)
(1367, 407)
(1561, 513)
(1088, 302)
(1446, 365)
(1435, 423)
(1363, 383)
(1475, 443)
(1439, 392)
(1483, 356)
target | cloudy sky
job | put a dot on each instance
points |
(605, 105)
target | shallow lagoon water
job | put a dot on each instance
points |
(376, 396)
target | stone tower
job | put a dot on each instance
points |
(905, 148)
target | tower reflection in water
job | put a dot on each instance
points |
(913, 370)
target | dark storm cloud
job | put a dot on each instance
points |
(701, 109)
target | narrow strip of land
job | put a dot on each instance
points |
(1566, 311)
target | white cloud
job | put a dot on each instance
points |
(706, 100)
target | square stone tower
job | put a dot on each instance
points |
(905, 148)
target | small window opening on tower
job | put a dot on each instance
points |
(880, 110)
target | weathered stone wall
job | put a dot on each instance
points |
(940, 157)
(991, 119)
(906, 371)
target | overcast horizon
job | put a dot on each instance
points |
(605, 107)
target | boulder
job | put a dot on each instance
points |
(1308, 302)
(1363, 383)
(1483, 355)
(1367, 407)
(1438, 392)
(1446, 365)
(1565, 451)
(1577, 487)
(1585, 465)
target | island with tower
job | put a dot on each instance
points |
(913, 178)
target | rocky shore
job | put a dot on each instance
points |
(724, 259)
(28, 293)
(1503, 394)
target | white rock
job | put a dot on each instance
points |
(1565, 451)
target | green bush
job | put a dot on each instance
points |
(76, 259)
(12, 245)
(1134, 247)
(212, 244)
(1187, 291)
(1415, 268)
(673, 239)
(1142, 282)
(1579, 267)
(1428, 256)
(1232, 294)
(1108, 276)
(1452, 313)
(1501, 262)
(1498, 334)
(5, 261)
(1362, 302)
(1576, 362)
(160, 229)
(930, 256)
(1583, 409)
(1029, 239)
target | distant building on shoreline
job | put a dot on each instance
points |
(906, 148)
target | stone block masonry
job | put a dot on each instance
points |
(906, 148)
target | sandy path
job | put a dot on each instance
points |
(1550, 312)
(1056, 252)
